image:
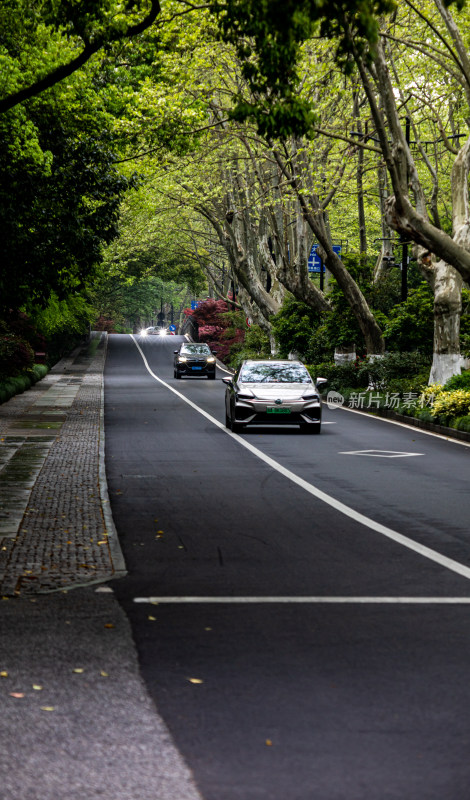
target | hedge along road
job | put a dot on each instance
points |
(339, 667)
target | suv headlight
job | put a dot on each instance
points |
(182, 359)
(210, 359)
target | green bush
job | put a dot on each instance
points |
(425, 415)
(39, 371)
(458, 381)
(463, 423)
(293, 327)
(411, 370)
(338, 376)
(412, 384)
(395, 372)
(451, 404)
(410, 324)
(18, 384)
(256, 344)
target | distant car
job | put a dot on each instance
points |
(273, 393)
(153, 331)
(194, 359)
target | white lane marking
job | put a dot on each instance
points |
(379, 453)
(410, 428)
(342, 508)
(313, 600)
(229, 372)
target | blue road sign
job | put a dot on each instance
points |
(194, 304)
(315, 263)
(172, 328)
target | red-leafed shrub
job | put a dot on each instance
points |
(104, 324)
(16, 355)
(218, 326)
(20, 324)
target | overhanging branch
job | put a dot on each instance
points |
(65, 70)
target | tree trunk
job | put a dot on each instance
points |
(447, 310)
(448, 282)
(361, 214)
(313, 215)
(385, 258)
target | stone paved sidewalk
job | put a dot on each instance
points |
(56, 529)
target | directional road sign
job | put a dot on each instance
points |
(315, 263)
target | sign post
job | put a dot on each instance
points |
(316, 265)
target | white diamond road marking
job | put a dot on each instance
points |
(379, 453)
(341, 508)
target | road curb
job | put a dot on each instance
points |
(117, 556)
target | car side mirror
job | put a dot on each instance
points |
(176, 352)
(214, 352)
(321, 381)
(227, 381)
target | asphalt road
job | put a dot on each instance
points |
(329, 656)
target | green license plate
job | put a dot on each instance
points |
(278, 410)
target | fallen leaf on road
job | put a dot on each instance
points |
(3, 674)
(269, 743)
(104, 674)
(47, 708)
(78, 670)
(37, 687)
(195, 680)
(152, 619)
(16, 694)
(109, 625)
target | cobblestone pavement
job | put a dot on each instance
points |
(56, 529)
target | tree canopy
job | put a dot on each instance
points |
(210, 146)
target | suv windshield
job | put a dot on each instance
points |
(274, 373)
(196, 350)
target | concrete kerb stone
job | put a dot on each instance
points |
(67, 538)
(113, 539)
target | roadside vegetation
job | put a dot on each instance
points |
(154, 154)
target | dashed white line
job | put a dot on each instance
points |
(312, 600)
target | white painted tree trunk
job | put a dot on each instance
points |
(448, 282)
(447, 311)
